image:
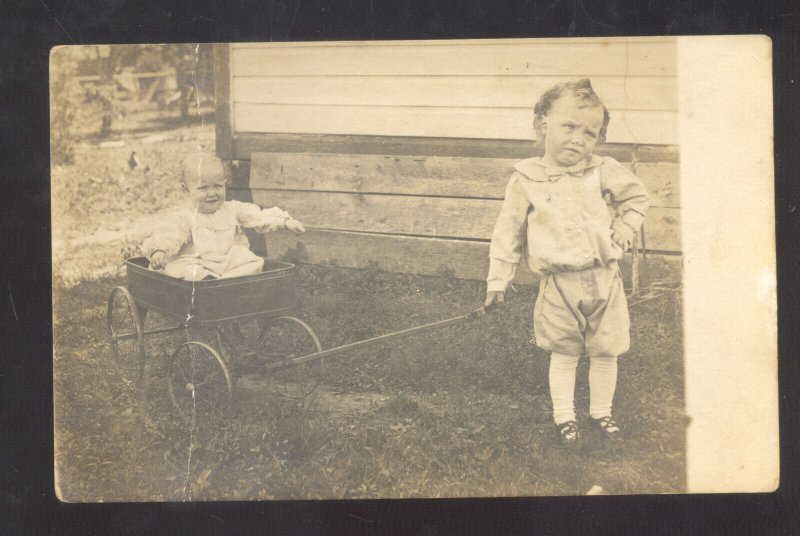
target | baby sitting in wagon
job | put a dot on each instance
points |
(205, 239)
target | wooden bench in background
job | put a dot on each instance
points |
(419, 214)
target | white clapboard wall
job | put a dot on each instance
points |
(396, 154)
(473, 89)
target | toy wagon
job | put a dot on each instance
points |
(202, 370)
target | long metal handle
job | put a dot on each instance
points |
(293, 362)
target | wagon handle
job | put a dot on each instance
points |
(296, 361)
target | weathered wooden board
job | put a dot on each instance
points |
(246, 144)
(411, 215)
(566, 58)
(628, 126)
(427, 216)
(618, 93)
(426, 256)
(447, 42)
(449, 176)
(461, 259)
(663, 229)
(412, 175)
(663, 183)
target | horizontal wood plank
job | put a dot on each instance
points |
(450, 176)
(427, 216)
(461, 42)
(247, 143)
(662, 228)
(634, 93)
(461, 259)
(424, 256)
(663, 183)
(631, 126)
(416, 175)
(569, 59)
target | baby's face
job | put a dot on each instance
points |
(206, 188)
(571, 132)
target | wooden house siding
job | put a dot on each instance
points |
(396, 154)
(447, 89)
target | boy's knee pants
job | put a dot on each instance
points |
(583, 312)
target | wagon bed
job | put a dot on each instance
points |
(218, 301)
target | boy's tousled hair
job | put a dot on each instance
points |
(582, 90)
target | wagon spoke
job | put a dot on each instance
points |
(208, 387)
(209, 378)
(286, 338)
(202, 399)
(182, 373)
(125, 335)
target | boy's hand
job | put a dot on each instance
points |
(295, 226)
(622, 234)
(158, 260)
(494, 296)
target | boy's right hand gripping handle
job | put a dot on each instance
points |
(477, 313)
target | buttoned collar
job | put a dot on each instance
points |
(535, 169)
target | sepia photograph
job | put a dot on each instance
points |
(400, 269)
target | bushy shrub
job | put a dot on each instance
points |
(65, 99)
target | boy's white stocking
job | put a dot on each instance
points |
(562, 386)
(602, 383)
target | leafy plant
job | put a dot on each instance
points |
(65, 98)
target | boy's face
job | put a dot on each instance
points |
(205, 185)
(571, 132)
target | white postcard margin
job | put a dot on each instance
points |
(727, 182)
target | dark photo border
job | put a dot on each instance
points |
(30, 29)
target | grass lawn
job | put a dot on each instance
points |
(463, 411)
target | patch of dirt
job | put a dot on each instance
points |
(253, 389)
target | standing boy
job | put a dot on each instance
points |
(556, 212)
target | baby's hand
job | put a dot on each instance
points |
(295, 226)
(158, 260)
(493, 297)
(622, 234)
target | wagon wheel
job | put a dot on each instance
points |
(284, 338)
(126, 335)
(199, 381)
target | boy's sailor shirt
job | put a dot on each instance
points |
(560, 218)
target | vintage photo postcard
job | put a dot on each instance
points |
(403, 269)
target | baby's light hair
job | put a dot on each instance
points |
(192, 163)
(580, 89)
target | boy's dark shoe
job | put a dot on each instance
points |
(568, 435)
(608, 431)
